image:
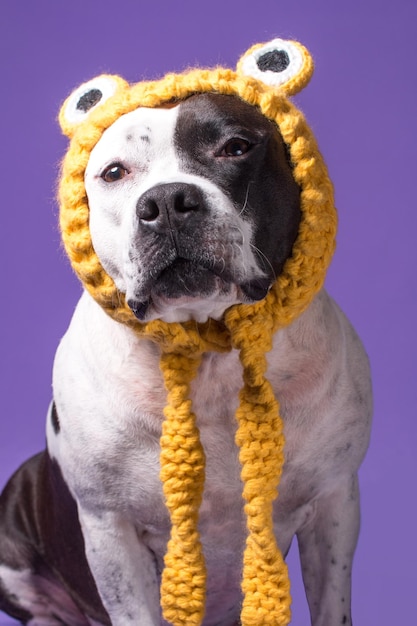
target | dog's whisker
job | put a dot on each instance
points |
(246, 199)
(264, 258)
(240, 231)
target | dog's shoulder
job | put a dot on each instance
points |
(320, 372)
(322, 335)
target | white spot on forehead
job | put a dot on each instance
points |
(144, 134)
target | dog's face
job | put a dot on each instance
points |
(193, 207)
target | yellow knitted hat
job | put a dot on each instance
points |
(265, 76)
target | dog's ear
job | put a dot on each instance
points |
(86, 98)
(285, 65)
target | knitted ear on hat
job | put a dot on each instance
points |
(87, 97)
(266, 74)
(283, 65)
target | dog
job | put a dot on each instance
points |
(193, 208)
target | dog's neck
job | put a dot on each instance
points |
(188, 309)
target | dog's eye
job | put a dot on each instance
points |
(114, 172)
(236, 147)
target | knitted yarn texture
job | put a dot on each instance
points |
(266, 75)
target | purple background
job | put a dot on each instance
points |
(361, 105)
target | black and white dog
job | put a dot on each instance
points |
(183, 216)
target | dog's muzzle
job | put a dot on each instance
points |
(187, 255)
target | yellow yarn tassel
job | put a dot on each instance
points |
(183, 586)
(260, 438)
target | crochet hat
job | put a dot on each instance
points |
(265, 76)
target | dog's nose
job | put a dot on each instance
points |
(169, 206)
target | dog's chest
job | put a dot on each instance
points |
(110, 406)
(110, 396)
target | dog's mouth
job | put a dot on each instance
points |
(188, 280)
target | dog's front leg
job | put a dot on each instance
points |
(327, 543)
(123, 568)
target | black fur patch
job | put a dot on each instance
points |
(260, 183)
(55, 419)
(40, 531)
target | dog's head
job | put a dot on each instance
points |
(183, 197)
(192, 207)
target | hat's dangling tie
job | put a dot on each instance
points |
(183, 586)
(260, 438)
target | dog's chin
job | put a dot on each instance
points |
(185, 291)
